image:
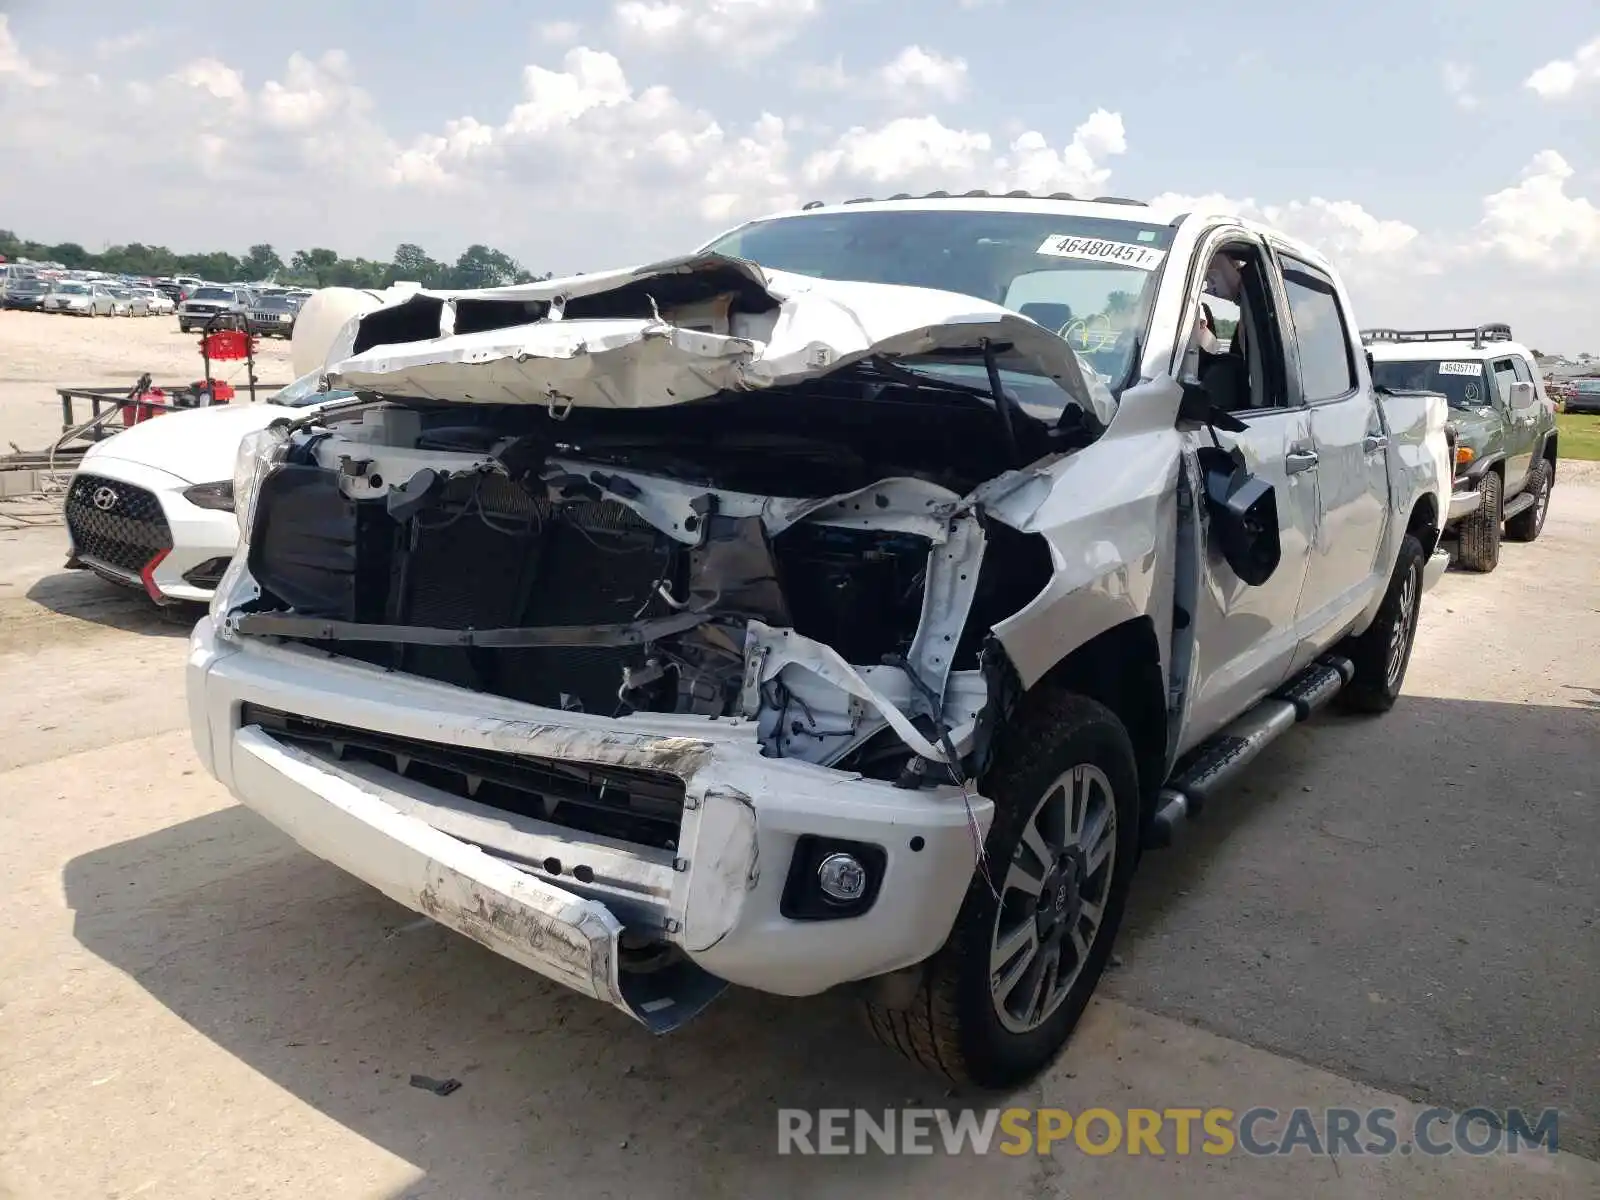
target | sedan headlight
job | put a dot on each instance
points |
(217, 495)
(258, 453)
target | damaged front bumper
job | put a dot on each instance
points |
(570, 906)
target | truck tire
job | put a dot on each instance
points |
(1383, 652)
(1478, 544)
(995, 1004)
(1529, 523)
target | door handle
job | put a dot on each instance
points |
(1373, 442)
(1300, 460)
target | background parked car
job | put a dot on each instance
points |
(79, 299)
(155, 302)
(206, 302)
(1583, 395)
(273, 316)
(25, 292)
(126, 302)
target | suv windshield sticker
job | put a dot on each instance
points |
(1088, 249)
(1470, 394)
(1460, 368)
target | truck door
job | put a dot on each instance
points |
(1351, 448)
(1245, 634)
(1522, 426)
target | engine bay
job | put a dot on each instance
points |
(832, 584)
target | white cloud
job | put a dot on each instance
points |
(559, 33)
(915, 71)
(1457, 80)
(922, 152)
(217, 78)
(744, 28)
(14, 65)
(906, 150)
(1077, 168)
(584, 135)
(591, 165)
(1342, 230)
(121, 44)
(310, 93)
(1535, 223)
(824, 77)
(1562, 76)
(554, 99)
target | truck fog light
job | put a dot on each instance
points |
(841, 877)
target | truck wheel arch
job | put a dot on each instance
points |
(1121, 669)
(1489, 462)
(1424, 523)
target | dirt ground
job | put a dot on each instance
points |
(40, 352)
(1392, 913)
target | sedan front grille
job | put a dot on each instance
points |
(115, 523)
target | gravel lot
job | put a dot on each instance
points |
(40, 352)
(1396, 912)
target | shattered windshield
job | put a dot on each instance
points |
(1088, 279)
(1461, 383)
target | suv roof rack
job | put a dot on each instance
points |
(1478, 335)
(979, 193)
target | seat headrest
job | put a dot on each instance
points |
(1051, 316)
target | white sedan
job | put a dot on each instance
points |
(152, 507)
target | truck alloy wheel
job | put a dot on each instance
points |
(1381, 654)
(1401, 632)
(999, 1000)
(1052, 902)
(1529, 523)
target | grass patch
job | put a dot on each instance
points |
(1580, 436)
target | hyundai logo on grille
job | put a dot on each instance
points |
(104, 499)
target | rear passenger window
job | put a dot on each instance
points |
(1326, 368)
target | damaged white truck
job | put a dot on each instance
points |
(853, 618)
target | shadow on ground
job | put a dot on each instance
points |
(1413, 907)
(1418, 912)
(84, 596)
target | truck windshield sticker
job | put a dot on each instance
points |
(1460, 368)
(1088, 249)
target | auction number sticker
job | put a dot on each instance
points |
(1460, 368)
(1088, 249)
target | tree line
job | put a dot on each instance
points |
(478, 265)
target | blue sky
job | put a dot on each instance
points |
(1447, 155)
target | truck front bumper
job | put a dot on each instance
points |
(568, 905)
(1464, 503)
(1433, 570)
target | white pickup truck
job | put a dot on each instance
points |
(853, 618)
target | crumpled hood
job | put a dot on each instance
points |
(197, 446)
(537, 354)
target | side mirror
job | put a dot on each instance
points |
(1523, 396)
(1243, 513)
(1197, 408)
